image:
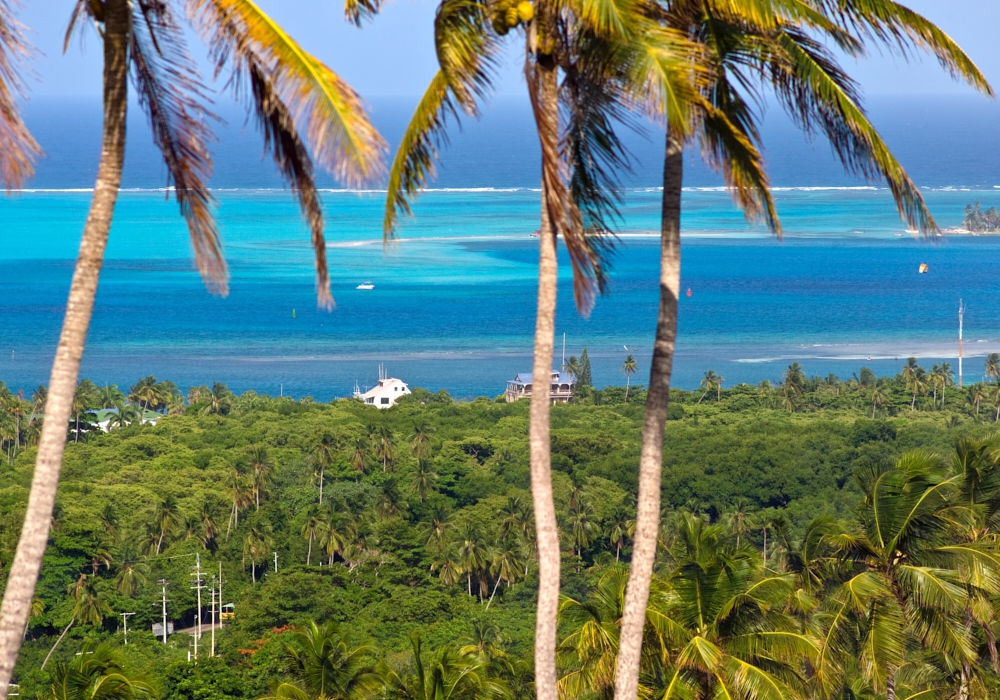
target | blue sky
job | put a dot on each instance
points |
(393, 55)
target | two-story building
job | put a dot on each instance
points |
(560, 387)
(385, 393)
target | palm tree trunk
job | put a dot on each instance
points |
(647, 522)
(890, 687)
(321, 485)
(65, 369)
(49, 655)
(547, 533)
(493, 593)
(626, 388)
(309, 552)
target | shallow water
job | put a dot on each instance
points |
(453, 304)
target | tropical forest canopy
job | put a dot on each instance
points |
(358, 545)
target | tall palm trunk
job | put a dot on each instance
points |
(49, 655)
(538, 431)
(65, 369)
(647, 523)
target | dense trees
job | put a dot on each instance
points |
(442, 542)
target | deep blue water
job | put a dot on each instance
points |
(453, 305)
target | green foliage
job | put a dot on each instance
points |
(430, 532)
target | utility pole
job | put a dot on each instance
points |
(213, 616)
(163, 584)
(197, 586)
(961, 313)
(220, 593)
(125, 624)
(275, 562)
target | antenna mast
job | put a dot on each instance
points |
(961, 313)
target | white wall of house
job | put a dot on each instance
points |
(385, 393)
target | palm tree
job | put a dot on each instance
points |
(333, 536)
(424, 479)
(629, 368)
(218, 401)
(905, 564)
(947, 380)
(322, 458)
(166, 519)
(96, 674)
(89, 608)
(285, 87)
(359, 454)
(145, 393)
(257, 545)
(262, 471)
(310, 529)
(594, 52)
(880, 395)
(209, 528)
(977, 394)
(794, 378)
(727, 632)
(385, 445)
(589, 651)
(819, 95)
(582, 527)
(241, 493)
(132, 569)
(913, 375)
(420, 441)
(506, 565)
(573, 366)
(472, 555)
(992, 370)
(447, 675)
(617, 529)
(708, 383)
(326, 667)
(84, 399)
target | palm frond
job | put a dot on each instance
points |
(342, 139)
(727, 140)
(292, 159)
(898, 26)
(559, 208)
(172, 96)
(816, 90)
(466, 59)
(18, 148)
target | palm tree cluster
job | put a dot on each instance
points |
(898, 601)
(914, 388)
(321, 663)
(20, 422)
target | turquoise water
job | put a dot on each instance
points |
(453, 304)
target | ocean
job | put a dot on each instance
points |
(453, 304)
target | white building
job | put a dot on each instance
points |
(385, 393)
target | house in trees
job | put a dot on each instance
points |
(385, 393)
(560, 387)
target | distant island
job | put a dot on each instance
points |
(978, 221)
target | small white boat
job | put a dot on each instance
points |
(365, 285)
